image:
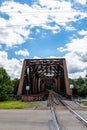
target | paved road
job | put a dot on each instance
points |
(40, 119)
(25, 120)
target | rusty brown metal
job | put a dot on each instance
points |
(68, 91)
(38, 73)
(20, 88)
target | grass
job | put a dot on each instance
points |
(84, 103)
(16, 105)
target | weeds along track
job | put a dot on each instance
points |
(64, 115)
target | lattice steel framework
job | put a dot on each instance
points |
(38, 73)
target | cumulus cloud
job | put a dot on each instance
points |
(76, 56)
(16, 29)
(83, 2)
(83, 32)
(36, 57)
(12, 66)
(18, 20)
(70, 28)
(0, 46)
(22, 52)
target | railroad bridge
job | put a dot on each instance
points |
(40, 75)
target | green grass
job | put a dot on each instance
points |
(84, 103)
(17, 105)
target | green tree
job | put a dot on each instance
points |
(80, 81)
(6, 86)
(80, 86)
(15, 85)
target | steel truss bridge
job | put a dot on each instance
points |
(39, 75)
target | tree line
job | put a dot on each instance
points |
(9, 87)
(80, 86)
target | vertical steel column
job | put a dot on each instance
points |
(68, 92)
(33, 85)
(58, 84)
(39, 85)
(20, 88)
(55, 85)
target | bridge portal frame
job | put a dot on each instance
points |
(37, 70)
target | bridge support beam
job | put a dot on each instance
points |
(42, 73)
(68, 91)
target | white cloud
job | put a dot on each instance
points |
(70, 28)
(12, 66)
(76, 56)
(3, 56)
(83, 2)
(48, 15)
(22, 18)
(0, 46)
(22, 52)
(37, 31)
(77, 74)
(62, 49)
(83, 32)
(36, 57)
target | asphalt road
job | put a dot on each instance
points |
(25, 120)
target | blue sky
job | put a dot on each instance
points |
(43, 29)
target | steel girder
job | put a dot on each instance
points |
(37, 72)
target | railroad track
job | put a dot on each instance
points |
(64, 115)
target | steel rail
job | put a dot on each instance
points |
(54, 98)
(54, 119)
(52, 108)
(74, 112)
(70, 109)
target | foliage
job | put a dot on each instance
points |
(48, 87)
(6, 86)
(15, 85)
(80, 86)
(16, 105)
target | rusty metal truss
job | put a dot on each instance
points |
(40, 74)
